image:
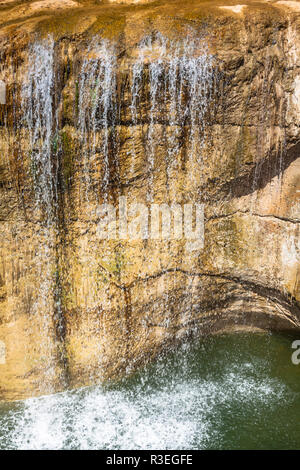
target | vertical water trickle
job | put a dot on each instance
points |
(137, 72)
(97, 111)
(175, 96)
(156, 74)
(98, 135)
(179, 86)
(172, 89)
(170, 86)
(39, 120)
(197, 75)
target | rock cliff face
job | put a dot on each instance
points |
(163, 102)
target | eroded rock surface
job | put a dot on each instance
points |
(163, 102)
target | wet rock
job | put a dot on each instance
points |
(104, 101)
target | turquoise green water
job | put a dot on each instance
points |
(235, 391)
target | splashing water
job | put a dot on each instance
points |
(219, 394)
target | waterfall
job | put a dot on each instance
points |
(180, 91)
(40, 121)
(178, 86)
(162, 96)
(97, 111)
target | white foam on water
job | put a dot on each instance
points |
(171, 416)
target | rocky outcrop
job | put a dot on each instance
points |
(163, 102)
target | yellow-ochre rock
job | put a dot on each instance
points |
(163, 102)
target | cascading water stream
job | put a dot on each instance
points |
(181, 87)
(168, 89)
(39, 120)
(179, 81)
(97, 89)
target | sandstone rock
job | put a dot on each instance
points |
(75, 309)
